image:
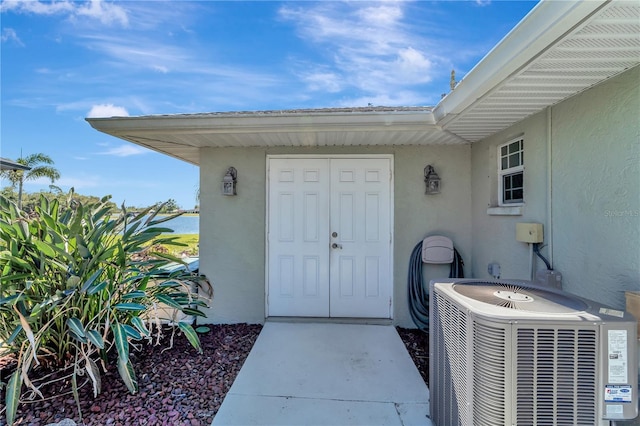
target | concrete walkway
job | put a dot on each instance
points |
(327, 374)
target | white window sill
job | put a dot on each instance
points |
(505, 211)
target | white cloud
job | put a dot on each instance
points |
(161, 69)
(359, 29)
(382, 15)
(369, 48)
(139, 52)
(38, 7)
(323, 81)
(125, 150)
(107, 110)
(9, 34)
(107, 13)
(413, 65)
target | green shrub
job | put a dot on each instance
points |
(80, 282)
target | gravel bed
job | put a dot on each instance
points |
(176, 387)
(417, 343)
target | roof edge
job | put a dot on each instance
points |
(6, 164)
(263, 122)
(536, 32)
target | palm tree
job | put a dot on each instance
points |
(40, 166)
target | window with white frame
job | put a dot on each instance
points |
(511, 173)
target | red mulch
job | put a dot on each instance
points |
(176, 387)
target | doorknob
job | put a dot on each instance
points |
(334, 234)
(336, 246)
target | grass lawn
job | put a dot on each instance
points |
(191, 241)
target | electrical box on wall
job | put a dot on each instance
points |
(529, 232)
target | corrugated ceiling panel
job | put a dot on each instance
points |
(604, 47)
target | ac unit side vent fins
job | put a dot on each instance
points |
(489, 372)
(556, 376)
(449, 382)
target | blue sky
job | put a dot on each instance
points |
(63, 61)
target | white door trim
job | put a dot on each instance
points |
(390, 157)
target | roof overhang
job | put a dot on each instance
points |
(559, 49)
(6, 164)
(183, 135)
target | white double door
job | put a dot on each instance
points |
(329, 237)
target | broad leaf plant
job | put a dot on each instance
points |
(80, 286)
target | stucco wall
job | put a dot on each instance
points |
(586, 150)
(232, 233)
(418, 215)
(596, 190)
(494, 236)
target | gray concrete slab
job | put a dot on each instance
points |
(326, 374)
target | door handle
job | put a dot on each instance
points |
(336, 246)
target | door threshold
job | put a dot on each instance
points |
(366, 321)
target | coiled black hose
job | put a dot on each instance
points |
(418, 294)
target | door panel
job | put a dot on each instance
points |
(311, 271)
(298, 238)
(360, 215)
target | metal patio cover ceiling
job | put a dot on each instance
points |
(557, 51)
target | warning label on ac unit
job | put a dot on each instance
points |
(617, 352)
(615, 393)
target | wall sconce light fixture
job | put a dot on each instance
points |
(431, 180)
(229, 182)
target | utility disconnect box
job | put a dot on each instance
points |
(529, 232)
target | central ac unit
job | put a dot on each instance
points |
(514, 353)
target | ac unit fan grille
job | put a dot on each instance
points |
(514, 296)
(556, 376)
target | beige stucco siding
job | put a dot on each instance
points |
(232, 234)
(493, 235)
(232, 229)
(596, 189)
(586, 150)
(418, 215)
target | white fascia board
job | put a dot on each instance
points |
(271, 123)
(540, 29)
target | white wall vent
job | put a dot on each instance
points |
(514, 353)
